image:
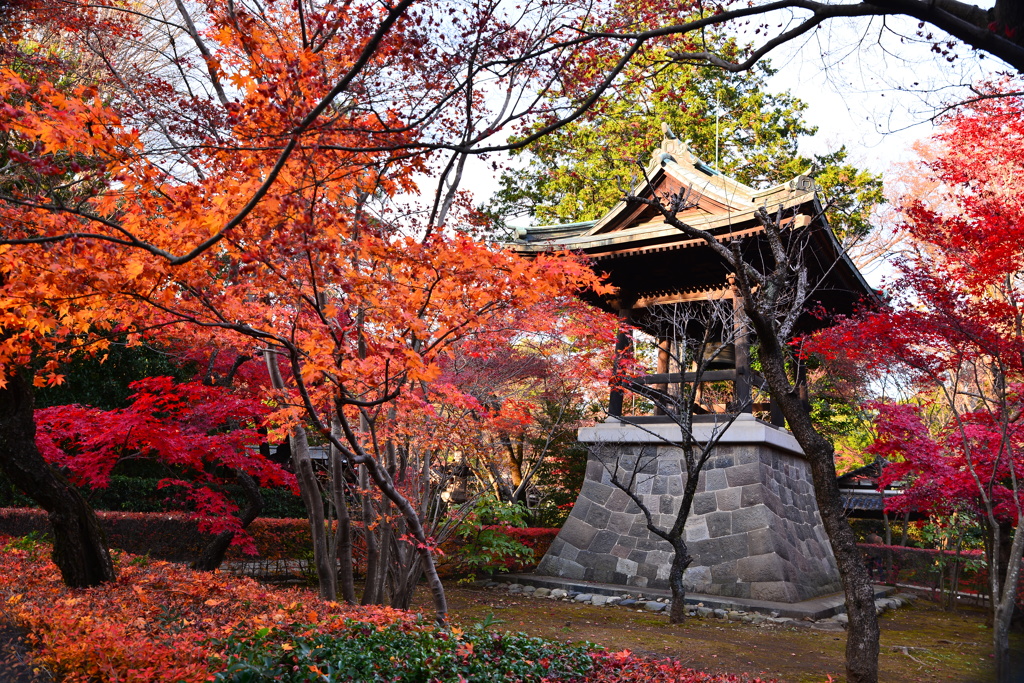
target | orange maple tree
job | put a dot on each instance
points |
(264, 214)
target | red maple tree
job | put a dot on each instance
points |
(953, 335)
(204, 435)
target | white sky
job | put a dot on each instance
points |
(873, 86)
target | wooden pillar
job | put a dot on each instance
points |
(664, 355)
(778, 419)
(623, 344)
(801, 384)
(742, 396)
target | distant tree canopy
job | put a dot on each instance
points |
(102, 381)
(580, 171)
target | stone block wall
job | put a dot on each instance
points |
(754, 530)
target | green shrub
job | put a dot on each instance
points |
(399, 655)
(140, 494)
(484, 545)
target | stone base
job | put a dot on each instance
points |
(754, 530)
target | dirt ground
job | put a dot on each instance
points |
(919, 642)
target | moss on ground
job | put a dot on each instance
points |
(919, 642)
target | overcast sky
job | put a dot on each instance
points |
(874, 86)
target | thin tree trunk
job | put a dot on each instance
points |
(680, 562)
(954, 579)
(888, 546)
(385, 545)
(326, 571)
(213, 554)
(415, 527)
(862, 638)
(309, 489)
(343, 534)
(1004, 598)
(79, 544)
(370, 596)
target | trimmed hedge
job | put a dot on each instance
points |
(140, 494)
(923, 567)
(173, 536)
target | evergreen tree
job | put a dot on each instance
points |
(580, 171)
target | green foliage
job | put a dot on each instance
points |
(484, 545)
(102, 382)
(398, 655)
(32, 544)
(561, 475)
(580, 171)
(958, 531)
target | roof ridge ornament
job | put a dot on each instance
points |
(803, 183)
(674, 149)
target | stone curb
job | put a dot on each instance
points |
(639, 603)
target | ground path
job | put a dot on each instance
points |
(919, 642)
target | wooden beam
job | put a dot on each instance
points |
(679, 377)
(623, 345)
(717, 294)
(741, 388)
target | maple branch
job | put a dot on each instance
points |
(345, 398)
(294, 135)
(960, 20)
(211, 63)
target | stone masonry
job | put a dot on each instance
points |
(754, 530)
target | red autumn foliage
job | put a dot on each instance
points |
(953, 337)
(161, 621)
(626, 667)
(203, 433)
(155, 621)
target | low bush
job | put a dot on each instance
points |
(175, 537)
(930, 569)
(397, 654)
(494, 549)
(141, 494)
(626, 667)
(172, 536)
(157, 621)
(404, 654)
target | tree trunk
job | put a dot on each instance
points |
(385, 548)
(415, 527)
(213, 554)
(888, 547)
(370, 596)
(343, 534)
(862, 638)
(1004, 599)
(326, 571)
(79, 544)
(309, 489)
(680, 561)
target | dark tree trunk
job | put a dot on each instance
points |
(862, 638)
(370, 596)
(680, 562)
(343, 532)
(79, 544)
(213, 554)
